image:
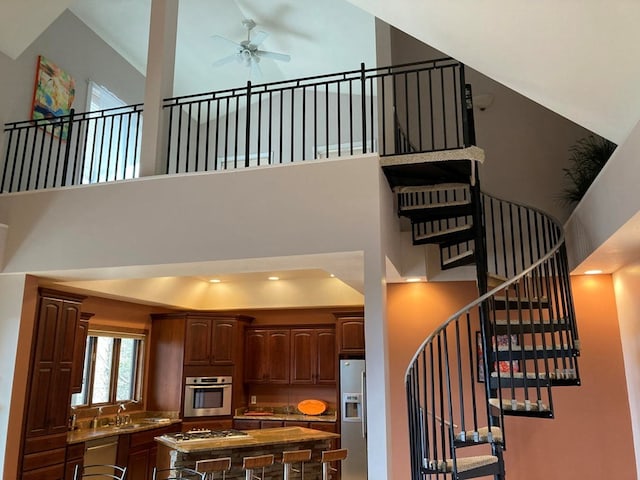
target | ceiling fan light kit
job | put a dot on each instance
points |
(248, 52)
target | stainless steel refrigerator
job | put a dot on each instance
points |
(353, 425)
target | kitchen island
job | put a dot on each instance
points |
(184, 453)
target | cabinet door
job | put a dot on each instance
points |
(224, 342)
(351, 335)
(326, 365)
(303, 356)
(257, 356)
(241, 424)
(278, 360)
(138, 464)
(78, 355)
(197, 345)
(50, 393)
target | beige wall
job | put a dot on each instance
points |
(626, 283)
(591, 435)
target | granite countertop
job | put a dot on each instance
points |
(254, 438)
(137, 425)
(295, 416)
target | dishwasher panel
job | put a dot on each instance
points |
(102, 451)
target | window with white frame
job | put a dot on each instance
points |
(113, 369)
(112, 138)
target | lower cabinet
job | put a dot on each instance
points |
(225, 424)
(75, 456)
(138, 452)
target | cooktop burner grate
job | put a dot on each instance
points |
(204, 434)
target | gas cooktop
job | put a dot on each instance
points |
(198, 435)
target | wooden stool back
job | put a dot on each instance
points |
(249, 464)
(214, 465)
(295, 456)
(329, 456)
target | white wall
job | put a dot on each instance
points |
(526, 145)
(626, 282)
(71, 45)
(11, 297)
(316, 207)
(610, 203)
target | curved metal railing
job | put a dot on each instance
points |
(457, 396)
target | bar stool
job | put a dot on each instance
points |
(176, 473)
(329, 456)
(212, 466)
(251, 464)
(295, 456)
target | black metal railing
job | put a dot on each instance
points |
(526, 326)
(325, 116)
(78, 148)
(319, 117)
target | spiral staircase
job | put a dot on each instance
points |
(503, 354)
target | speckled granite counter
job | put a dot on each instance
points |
(138, 425)
(257, 442)
(287, 417)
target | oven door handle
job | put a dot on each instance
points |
(196, 387)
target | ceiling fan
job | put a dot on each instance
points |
(248, 51)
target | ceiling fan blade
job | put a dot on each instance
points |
(227, 42)
(255, 72)
(259, 37)
(228, 59)
(281, 57)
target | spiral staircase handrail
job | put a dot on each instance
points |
(553, 250)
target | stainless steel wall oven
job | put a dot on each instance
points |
(207, 396)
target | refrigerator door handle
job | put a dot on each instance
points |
(363, 389)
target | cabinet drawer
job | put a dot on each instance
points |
(246, 424)
(75, 450)
(147, 437)
(324, 426)
(46, 442)
(32, 461)
(292, 423)
(52, 472)
(271, 423)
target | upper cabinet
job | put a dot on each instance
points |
(79, 352)
(267, 355)
(350, 334)
(52, 364)
(313, 356)
(210, 341)
(283, 355)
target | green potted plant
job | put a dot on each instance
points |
(588, 156)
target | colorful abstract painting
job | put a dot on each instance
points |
(53, 94)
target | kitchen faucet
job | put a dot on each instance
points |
(121, 408)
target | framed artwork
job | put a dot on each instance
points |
(53, 94)
(502, 366)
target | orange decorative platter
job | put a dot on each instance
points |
(312, 407)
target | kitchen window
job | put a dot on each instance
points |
(113, 369)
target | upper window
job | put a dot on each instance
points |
(113, 369)
(112, 138)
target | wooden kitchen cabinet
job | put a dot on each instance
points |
(49, 394)
(74, 457)
(210, 341)
(138, 451)
(313, 356)
(350, 334)
(267, 355)
(79, 352)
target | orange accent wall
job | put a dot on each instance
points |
(591, 435)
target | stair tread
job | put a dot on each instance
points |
(518, 321)
(530, 348)
(507, 405)
(566, 374)
(450, 260)
(426, 206)
(430, 188)
(460, 228)
(464, 464)
(481, 435)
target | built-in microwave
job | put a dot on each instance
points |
(207, 396)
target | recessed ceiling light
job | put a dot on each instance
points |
(332, 275)
(274, 278)
(413, 279)
(593, 272)
(214, 280)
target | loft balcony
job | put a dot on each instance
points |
(397, 110)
